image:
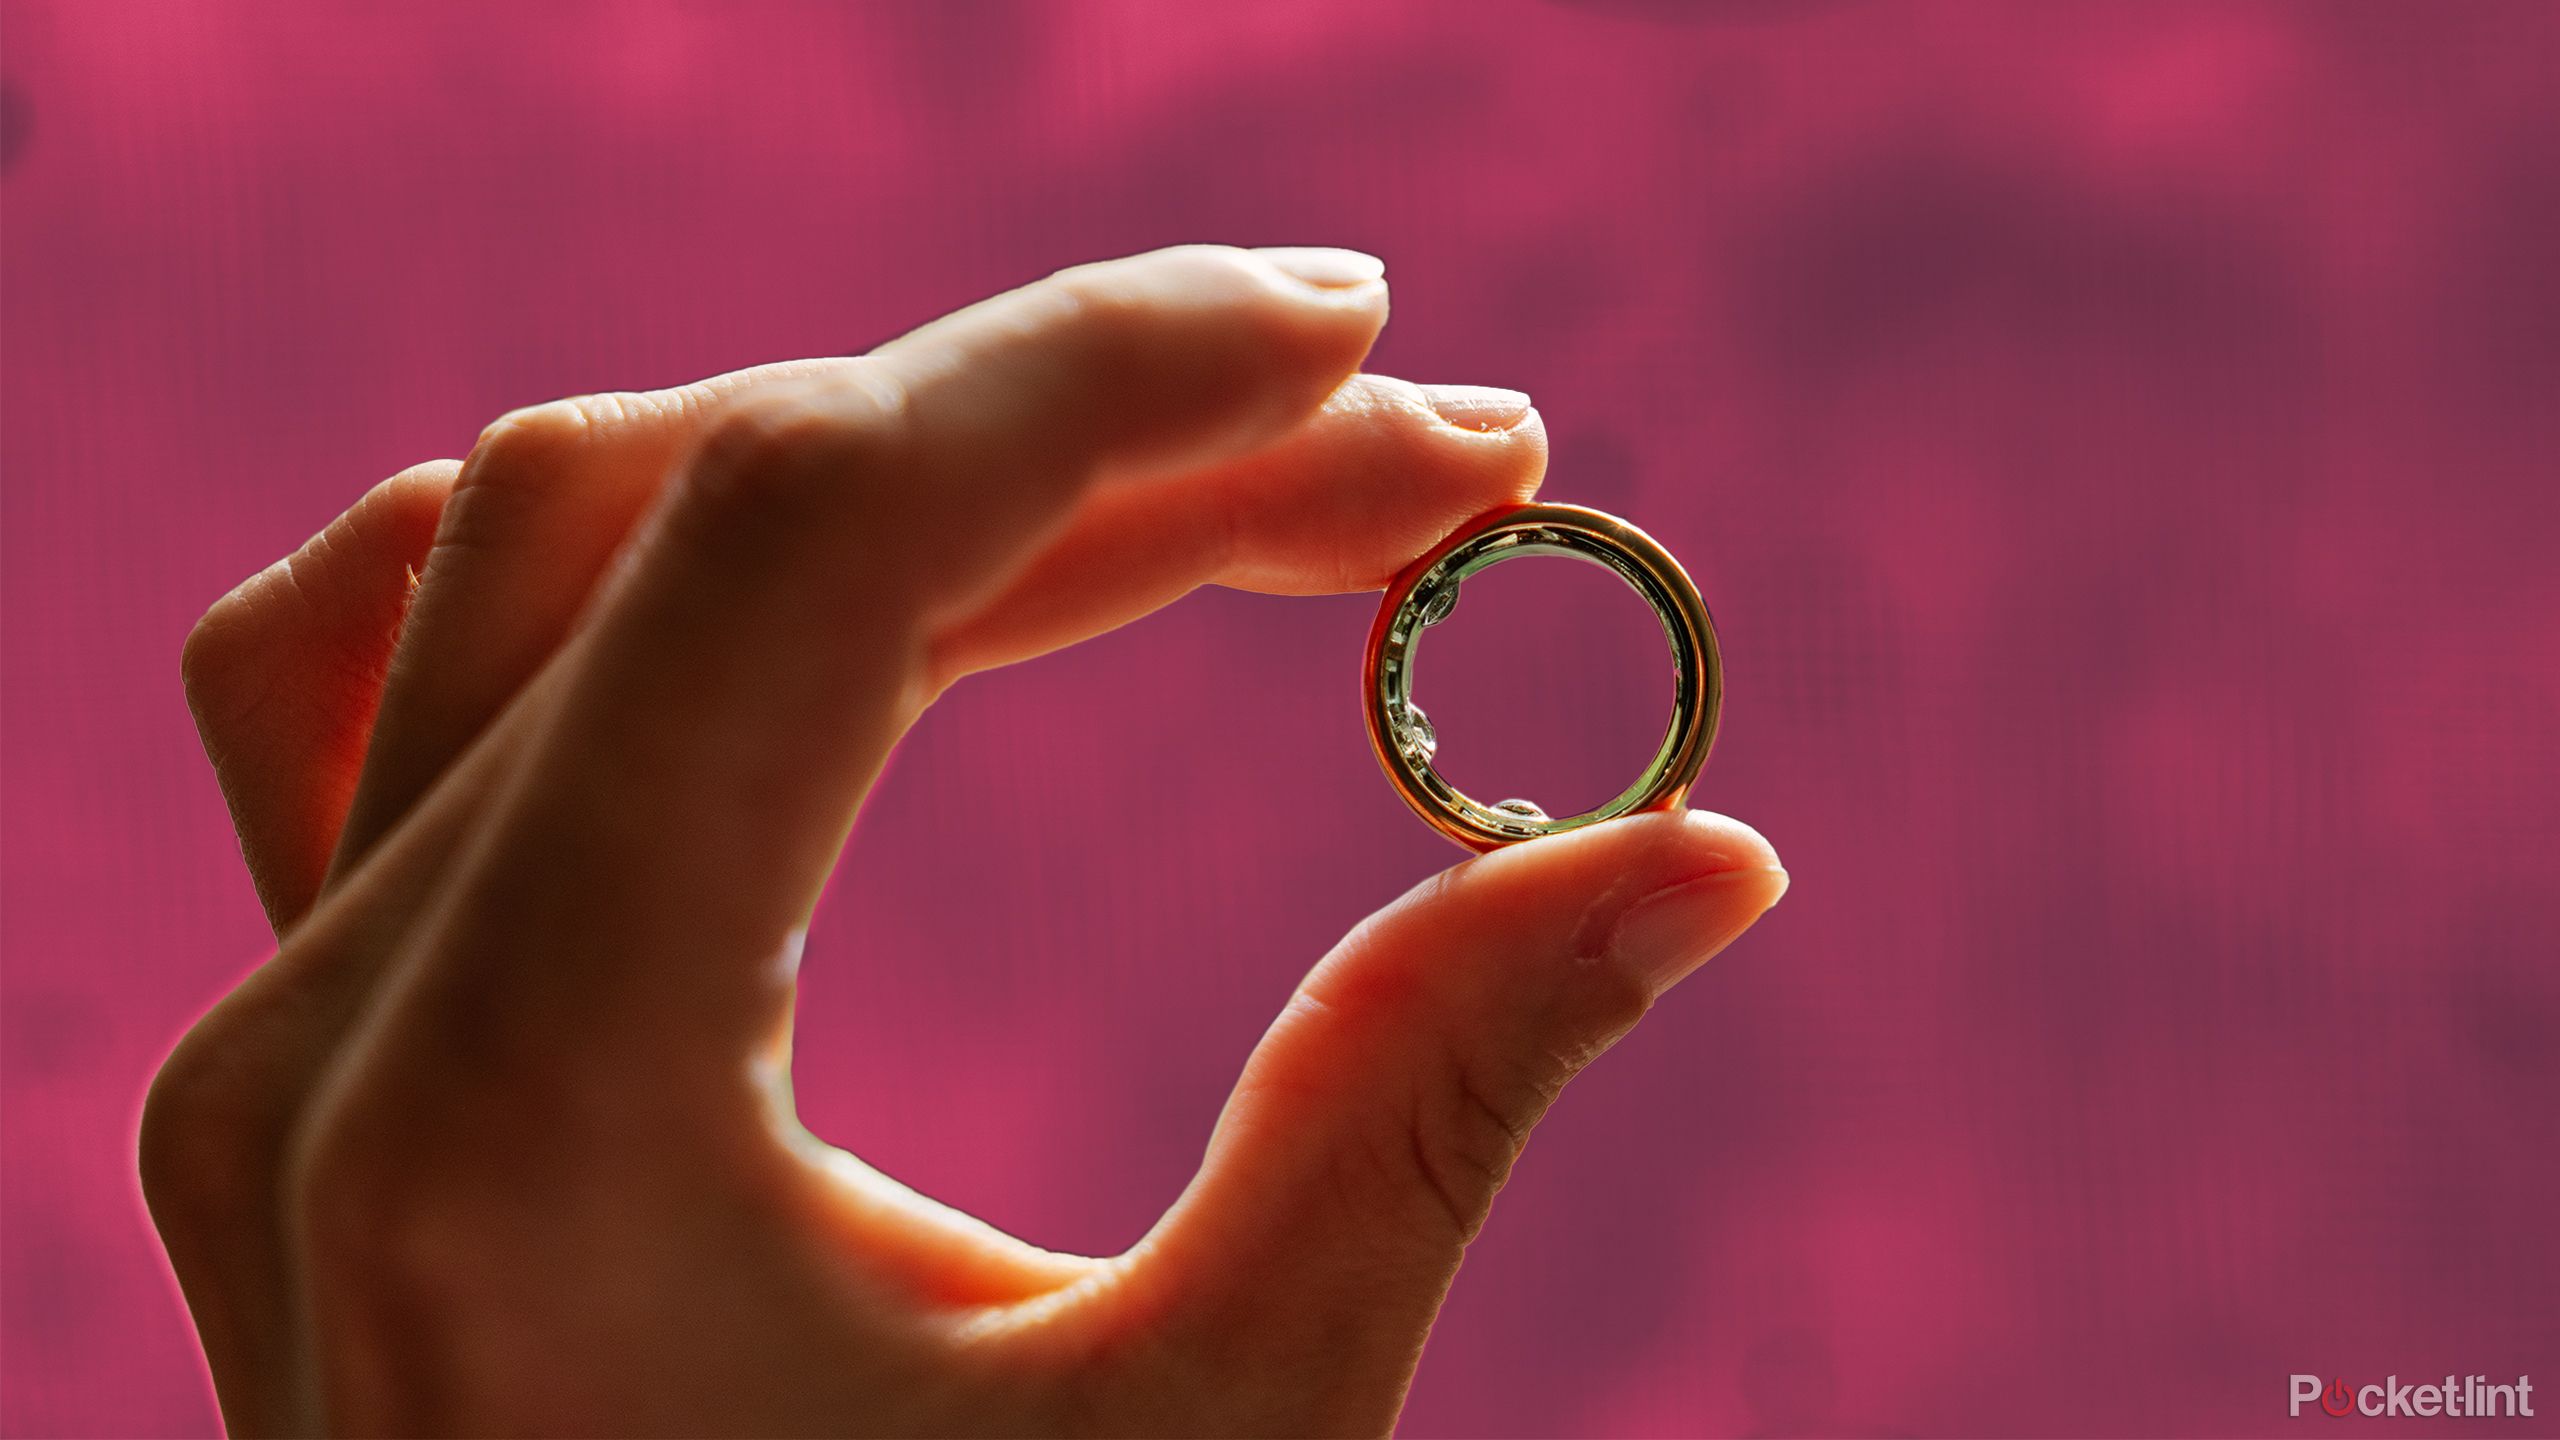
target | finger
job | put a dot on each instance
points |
(1376, 477)
(724, 715)
(1362, 1149)
(547, 496)
(285, 674)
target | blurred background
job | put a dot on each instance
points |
(2118, 443)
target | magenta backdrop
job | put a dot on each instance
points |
(2118, 444)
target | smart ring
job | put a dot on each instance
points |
(1425, 593)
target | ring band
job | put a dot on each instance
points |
(1424, 594)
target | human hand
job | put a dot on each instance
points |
(498, 1140)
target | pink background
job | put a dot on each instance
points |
(2118, 444)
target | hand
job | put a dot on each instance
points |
(497, 1141)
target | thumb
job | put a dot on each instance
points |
(1362, 1149)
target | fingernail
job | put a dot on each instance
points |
(1477, 407)
(1672, 932)
(1325, 267)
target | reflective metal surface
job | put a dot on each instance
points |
(1426, 593)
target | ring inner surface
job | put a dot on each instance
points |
(1430, 602)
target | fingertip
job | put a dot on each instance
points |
(1326, 267)
(402, 514)
(1631, 855)
(1480, 408)
(1331, 285)
(1336, 303)
(1340, 287)
(1738, 843)
(1479, 429)
(1711, 878)
(1375, 478)
(1150, 364)
(1559, 903)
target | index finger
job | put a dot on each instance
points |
(716, 727)
(1347, 499)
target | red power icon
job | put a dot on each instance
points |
(2338, 1399)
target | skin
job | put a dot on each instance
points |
(540, 759)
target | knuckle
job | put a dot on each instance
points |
(554, 427)
(513, 464)
(527, 443)
(525, 453)
(1201, 329)
(1218, 293)
(794, 451)
(195, 1151)
(1097, 316)
(1210, 273)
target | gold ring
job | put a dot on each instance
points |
(1424, 594)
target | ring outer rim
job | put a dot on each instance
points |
(1703, 681)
